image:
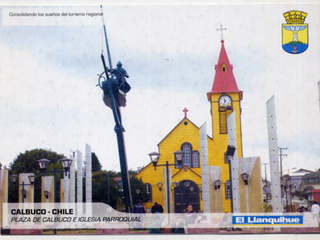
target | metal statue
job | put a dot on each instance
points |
(120, 74)
(114, 86)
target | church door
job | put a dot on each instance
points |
(185, 194)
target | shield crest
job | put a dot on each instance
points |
(295, 33)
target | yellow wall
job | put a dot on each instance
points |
(255, 187)
(218, 145)
(171, 143)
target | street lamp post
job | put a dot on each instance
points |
(154, 156)
(44, 164)
(284, 189)
(14, 179)
(217, 185)
(229, 155)
(135, 196)
(174, 186)
(293, 190)
(109, 187)
(245, 178)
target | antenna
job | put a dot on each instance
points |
(105, 35)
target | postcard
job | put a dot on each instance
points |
(173, 117)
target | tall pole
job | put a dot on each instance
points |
(231, 195)
(168, 191)
(109, 187)
(265, 171)
(281, 155)
(106, 38)
(54, 192)
(22, 192)
(286, 188)
(247, 198)
(120, 139)
(215, 196)
(118, 128)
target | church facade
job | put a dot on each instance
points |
(185, 183)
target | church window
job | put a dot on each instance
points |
(224, 113)
(149, 191)
(191, 158)
(187, 148)
(195, 159)
(223, 121)
(224, 67)
(228, 190)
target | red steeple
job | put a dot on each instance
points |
(224, 80)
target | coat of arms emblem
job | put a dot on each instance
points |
(295, 32)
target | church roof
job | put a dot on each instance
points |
(224, 80)
(184, 119)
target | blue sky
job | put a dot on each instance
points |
(49, 72)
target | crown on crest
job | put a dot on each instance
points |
(295, 16)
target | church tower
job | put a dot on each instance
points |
(224, 98)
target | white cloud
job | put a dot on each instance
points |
(48, 97)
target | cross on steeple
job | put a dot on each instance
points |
(185, 112)
(221, 29)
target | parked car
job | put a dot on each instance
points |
(304, 203)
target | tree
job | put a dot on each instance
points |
(135, 184)
(96, 166)
(100, 186)
(27, 163)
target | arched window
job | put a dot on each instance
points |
(195, 159)
(149, 191)
(228, 189)
(187, 149)
(223, 67)
(191, 158)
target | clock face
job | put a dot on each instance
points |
(225, 100)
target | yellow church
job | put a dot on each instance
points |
(185, 183)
